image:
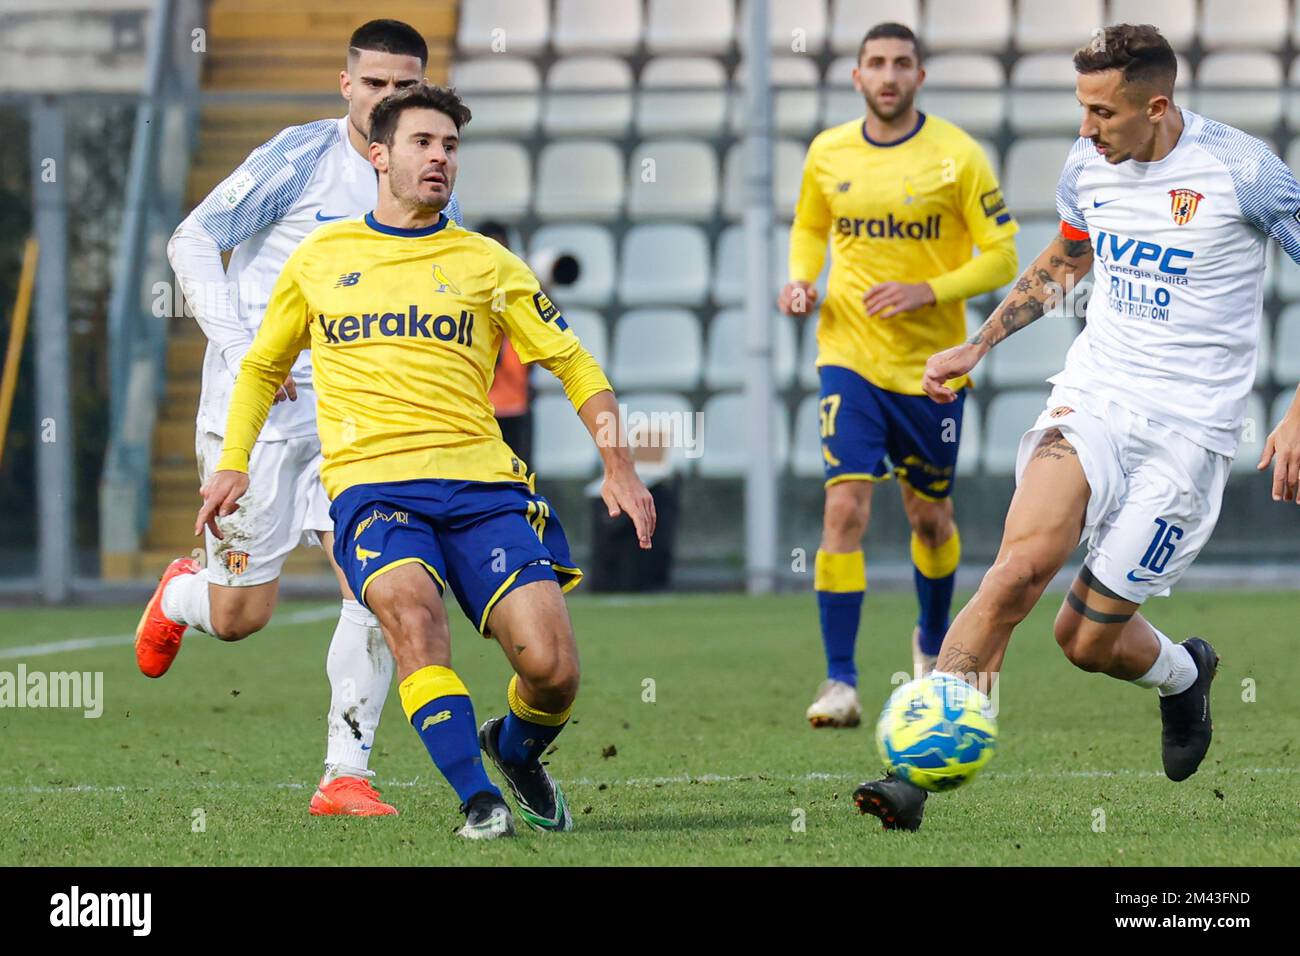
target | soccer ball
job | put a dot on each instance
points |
(936, 732)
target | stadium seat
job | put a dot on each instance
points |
(1033, 171)
(795, 92)
(494, 180)
(657, 418)
(588, 96)
(1219, 94)
(672, 179)
(1009, 416)
(972, 437)
(793, 26)
(514, 27)
(504, 91)
(597, 26)
(664, 264)
(1254, 433)
(727, 424)
(967, 89)
(729, 283)
(1033, 354)
(967, 25)
(592, 247)
(787, 173)
(1293, 102)
(851, 19)
(1177, 18)
(589, 327)
(806, 453)
(1232, 24)
(1042, 95)
(657, 348)
(690, 26)
(681, 94)
(725, 362)
(1052, 25)
(808, 377)
(580, 179)
(562, 447)
(1286, 346)
(841, 102)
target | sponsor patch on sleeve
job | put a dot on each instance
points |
(547, 310)
(236, 188)
(992, 202)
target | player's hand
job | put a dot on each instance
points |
(894, 298)
(288, 392)
(1283, 449)
(221, 494)
(949, 364)
(623, 491)
(797, 298)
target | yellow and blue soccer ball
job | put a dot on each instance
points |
(937, 732)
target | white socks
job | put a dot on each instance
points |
(1174, 670)
(185, 601)
(360, 669)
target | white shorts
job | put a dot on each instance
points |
(285, 506)
(1155, 493)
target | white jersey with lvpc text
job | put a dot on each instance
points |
(1173, 324)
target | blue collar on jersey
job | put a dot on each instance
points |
(920, 121)
(378, 226)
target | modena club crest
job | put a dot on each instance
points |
(1184, 203)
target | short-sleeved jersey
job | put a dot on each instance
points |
(405, 327)
(1178, 264)
(907, 211)
(288, 187)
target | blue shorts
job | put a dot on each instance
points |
(481, 539)
(862, 425)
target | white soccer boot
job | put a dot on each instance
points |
(836, 705)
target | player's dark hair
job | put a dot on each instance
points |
(422, 96)
(1139, 50)
(891, 31)
(389, 36)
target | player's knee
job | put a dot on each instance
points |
(413, 622)
(932, 523)
(1085, 650)
(846, 516)
(236, 623)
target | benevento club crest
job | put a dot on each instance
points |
(1184, 204)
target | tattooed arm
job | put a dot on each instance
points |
(1036, 292)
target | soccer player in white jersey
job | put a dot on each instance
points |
(1172, 212)
(304, 176)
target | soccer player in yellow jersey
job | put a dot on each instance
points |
(404, 313)
(902, 197)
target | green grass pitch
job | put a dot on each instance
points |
(720, 768)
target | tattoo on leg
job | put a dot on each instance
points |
(1055, 446)
(520, 648)
(957, 660)
(1076, 604)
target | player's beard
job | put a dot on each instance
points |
(406, 190)
(900, 107)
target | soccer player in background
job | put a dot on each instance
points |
(427, 498)
(303, 177)
(1172, 212)
(902, 197)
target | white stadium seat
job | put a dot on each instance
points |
(514, 27)
(588, 96)
(1052, 25)
(793, 26)
(1176, 18)
(1254, 433)
(591, 330)
(1293, 103)
(1286, 349)
(1008, 417)
(690, 26)
(851, 19)
(592, 247)
(657, 348)
(725, 361)
(664, 264)
(726, 436)
(597, 26)
(494, 180)
(504, 91)
(841, 101)
(1034, 353)
(1033, 170)
(967, 25)
(1042, 94)
(563, 448)
(664, 418)
(580, 179)
(808, 377)
(672, 179)
(972, 437)
(787, 173)
(681, 94)
(967, 89)
(806, 453)
(1219, 93)
(795, 93)
(729, 285)
(1243, 24)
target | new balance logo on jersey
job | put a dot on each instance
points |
(409, 324)
(348, 278)
(1134, 252)
(890, 228)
